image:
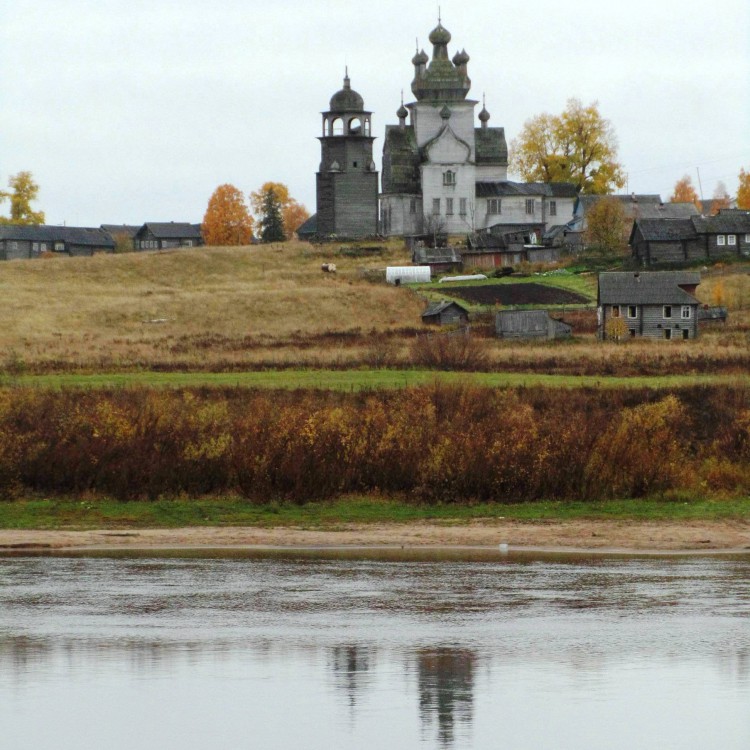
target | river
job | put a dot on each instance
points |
(291, 650)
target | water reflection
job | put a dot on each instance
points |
(376, 653)
(446, 689)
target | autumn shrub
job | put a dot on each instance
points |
(437, 443)
(450, 350)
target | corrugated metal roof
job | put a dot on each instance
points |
(532, 189)
(647, 287)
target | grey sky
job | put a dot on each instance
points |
(133, 110)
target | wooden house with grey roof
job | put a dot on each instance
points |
(164, 235)
(18, 241)
(649, 304)
(697, 238)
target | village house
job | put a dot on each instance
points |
(650, 304)
(634, 207)
(19, 241)
(655, 241)
(530, 324)
(445, 313)
(508, 245)
(164, 235)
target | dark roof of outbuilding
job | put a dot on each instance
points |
(647, 287)
(91, 236)
(507, 188)
(665, 230)
(526, 320)
(309, 227)
(170, 230)
(435, 308)
(727, 221)
(490, 146)
(400, 160)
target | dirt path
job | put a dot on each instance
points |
(668, 536)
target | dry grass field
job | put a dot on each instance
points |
(228, 309)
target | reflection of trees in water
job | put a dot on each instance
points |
(446, 689)
(351, 666)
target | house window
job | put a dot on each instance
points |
(553, 208)
(686, 312)
(667, 311)
(529, 205)
(35, 247)
(436, 206)
(732, 239)
(413, 206)
(449, 178)
(494, 206)
(667, 333)
(462, 206)
(60, 247)
(43, 247)
(747, 238)
(188, 243)
(632, 312)
(615, 311)
(720, 239)
(449, 206)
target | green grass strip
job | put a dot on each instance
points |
(355, 380)
(51, 513)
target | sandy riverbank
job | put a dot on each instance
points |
(666, 536)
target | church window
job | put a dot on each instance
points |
(449, 206)
(436, 206)
(553, 208)
(413, 206)
(529, 205)
(449, 178)
(494, 206)
(355, 126)
(462, 206)
(337, 126)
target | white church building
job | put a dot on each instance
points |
(443, 173)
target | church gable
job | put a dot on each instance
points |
(447, 148)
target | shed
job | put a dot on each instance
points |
(445, 313)
(408, 274)
(530, 324)
(437, 258)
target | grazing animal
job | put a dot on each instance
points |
(328, 268)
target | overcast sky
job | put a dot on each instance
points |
(128, 111)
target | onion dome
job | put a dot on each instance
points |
(484, 115)
(440, 35)
(402, 113)
(347, 99)
(461, 58)
(445, 112)
(420, 58)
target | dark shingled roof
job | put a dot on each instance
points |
(435, 308)
(89, 236)
(647, 287)
(727, 221)
(128, 229)
(172, 230)
(665, 230)
(400, 161)
(500, 189)
(490, 147)
(309, 227)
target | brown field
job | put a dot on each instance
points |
(228, 309)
